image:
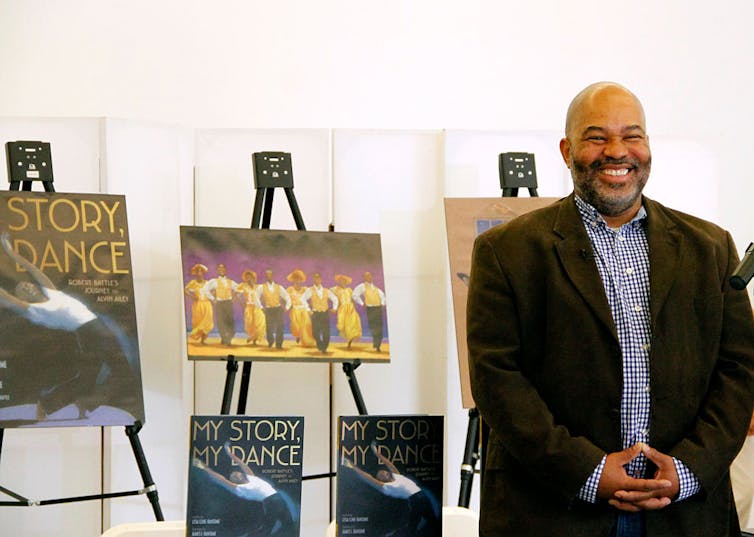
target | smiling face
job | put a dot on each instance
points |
(607, 150)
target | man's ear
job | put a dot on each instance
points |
(565, 151)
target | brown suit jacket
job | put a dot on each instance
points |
(546, 371)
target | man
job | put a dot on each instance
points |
(374, 301)
(320, 299)
(610, 357)
(222, 290)
(271, 297)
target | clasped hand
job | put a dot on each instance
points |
(630, 494)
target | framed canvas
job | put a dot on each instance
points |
(267, 295)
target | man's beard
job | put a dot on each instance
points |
(609, 200)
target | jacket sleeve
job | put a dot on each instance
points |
(721, 422)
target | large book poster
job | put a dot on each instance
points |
(245, 476)
(265, 295)
(465, 218)
(69, 353)
(390, 474)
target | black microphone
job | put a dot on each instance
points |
(744, 271)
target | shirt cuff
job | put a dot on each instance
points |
(588, 492)
(689, 484)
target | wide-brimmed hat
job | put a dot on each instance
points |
(199, 269)
(342, 279)
(296, 276)
(247, 273)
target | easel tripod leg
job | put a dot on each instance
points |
(230, 378)
(470, 456)
(294, 208)
(132, 431)
(243, 392)
(348, 369)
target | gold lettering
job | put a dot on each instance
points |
(38, 210)
(90, 222)
(24, 217)
(111, 214)
(80, 254)
(17, 244)
(49, 253)
(92, 258)
(54, 219)
(115, 254)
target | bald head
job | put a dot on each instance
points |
(600, 96)
(606, 147)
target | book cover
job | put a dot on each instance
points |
(390, 476)
(69, 353)
(245, 476)
(269, 295)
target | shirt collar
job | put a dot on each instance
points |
(591, 216)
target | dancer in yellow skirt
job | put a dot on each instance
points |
(253, 317)
(349, 322)
(301, 321)
(202, 318)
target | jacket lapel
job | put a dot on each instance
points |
(576, 255)
(665, 249)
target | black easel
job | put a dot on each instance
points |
(349, 368)
(27, 162)
(25, 157)
(517, 170)
(274, 170)
(271, 170)
(470, 457)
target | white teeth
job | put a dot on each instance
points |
(616, 173)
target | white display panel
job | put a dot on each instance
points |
(153, 166)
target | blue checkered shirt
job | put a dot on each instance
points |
(622, 257)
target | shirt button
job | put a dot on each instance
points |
(646, 347)
(647, 389)
(621, 238)
(637, 308)
(629, 270)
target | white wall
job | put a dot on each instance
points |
(355, 66)
(481, 64)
